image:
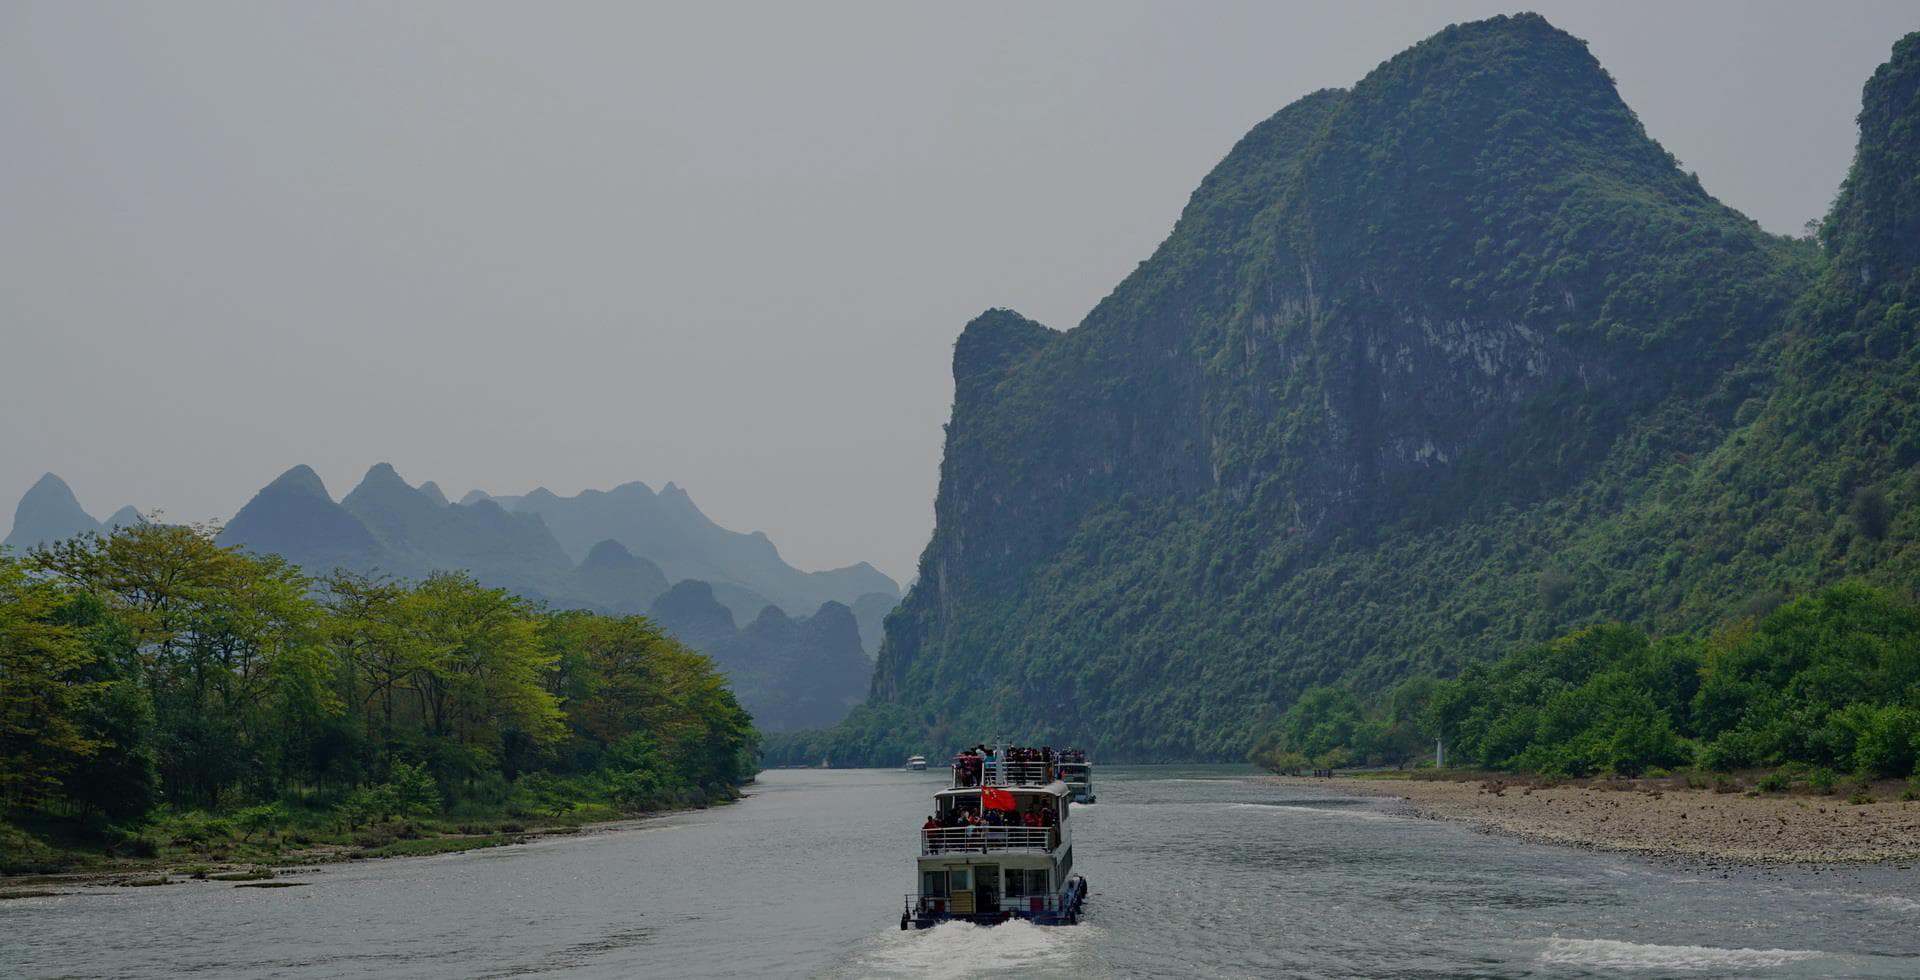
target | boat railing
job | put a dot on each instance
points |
(939, 904)
(984, 840)
(1004, 774)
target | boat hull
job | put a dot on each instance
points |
(1065, 911)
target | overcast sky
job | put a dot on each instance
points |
(727, 245)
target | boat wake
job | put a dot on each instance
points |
(962, 949)
(1893, 902)
(1337, 812)
(1614, 954)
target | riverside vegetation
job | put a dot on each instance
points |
(1443, 366)
(168, 699)
(1823, 687)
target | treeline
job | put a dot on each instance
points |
(150, 673)
(1829, 681)
(872, 734)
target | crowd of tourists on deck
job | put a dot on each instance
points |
(970, 764)
(980, 830)
(966, 816)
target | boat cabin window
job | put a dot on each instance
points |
(1025, 882)
(941, 884)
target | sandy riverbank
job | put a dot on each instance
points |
(1661, 819)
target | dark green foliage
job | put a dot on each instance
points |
(1600, 700)
(1871, 513)
(1831, 681)
(1328, 728)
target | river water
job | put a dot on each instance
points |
(1194, 871)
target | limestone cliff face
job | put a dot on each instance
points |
(1441, 294)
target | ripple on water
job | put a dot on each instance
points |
(1614, 954)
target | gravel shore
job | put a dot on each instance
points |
(1662, 819)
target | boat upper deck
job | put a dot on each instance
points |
(1012, 766)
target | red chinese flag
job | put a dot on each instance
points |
(996, 799)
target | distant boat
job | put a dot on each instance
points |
(917, 763)
(1078, 775)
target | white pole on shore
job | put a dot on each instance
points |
(1439, 754)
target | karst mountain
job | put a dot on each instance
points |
(1455, 359)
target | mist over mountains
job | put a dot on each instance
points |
(799, 659)
(806, 671)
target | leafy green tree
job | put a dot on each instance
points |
(44, 693)
(482, 670)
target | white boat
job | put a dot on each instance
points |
(1077, 773)
(916, 763)
(1018, 867)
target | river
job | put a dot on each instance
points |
(1194, 871)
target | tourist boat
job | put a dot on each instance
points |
(989, 874)
(1077, 773)
(916, 763)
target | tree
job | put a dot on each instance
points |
(481, 673)
(45, 694)
(1871, 513)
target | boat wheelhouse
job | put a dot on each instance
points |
(998, 846)
(916, 763)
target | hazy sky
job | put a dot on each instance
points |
(727, 245)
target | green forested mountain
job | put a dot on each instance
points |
(1451, 362)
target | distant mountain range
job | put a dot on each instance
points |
(50, 512)
(617, 551)
(745, 569)
(803, 672)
